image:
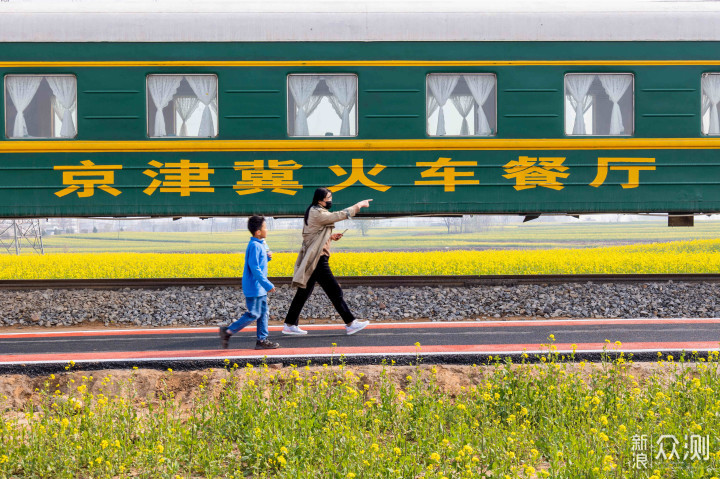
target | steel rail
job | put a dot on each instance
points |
(357, 281)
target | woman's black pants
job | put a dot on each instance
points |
(324, 277)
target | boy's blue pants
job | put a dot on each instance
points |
(257, 310)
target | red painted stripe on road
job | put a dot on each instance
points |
(114, 332)
(335, 327)
(352, 350)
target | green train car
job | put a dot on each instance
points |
(227, 108)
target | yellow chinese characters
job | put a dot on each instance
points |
(632, 169)
(448, 176)
(183, 177)
(278, 177)
(87, 177)
(530, 172)
(358, 175)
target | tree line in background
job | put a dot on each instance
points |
(473, 223)
(453, 224)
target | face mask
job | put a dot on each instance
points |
(328, 204)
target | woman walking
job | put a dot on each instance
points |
(312, 264)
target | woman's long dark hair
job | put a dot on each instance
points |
(319, 195)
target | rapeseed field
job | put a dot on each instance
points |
(699, 256)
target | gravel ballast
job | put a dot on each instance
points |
(195, 306)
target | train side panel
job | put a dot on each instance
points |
(529, 166)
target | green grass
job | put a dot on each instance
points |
(516, 236)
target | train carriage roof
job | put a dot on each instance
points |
(361, 20)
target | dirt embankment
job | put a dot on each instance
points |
(18, 391)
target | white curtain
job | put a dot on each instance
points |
(302, 88)
(480, 86)
(615, 86)
(431, 105)
(442, 87)
(464, 104)
(21, 89)
(585, 107)
(577, 88)
(315, 100)
(65, 92)
(162, 89)
(334, 102)
(343, 89)
(205, 88)
(185, 107)
(60, 111)
(711, 91)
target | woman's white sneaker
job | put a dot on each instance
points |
(293, 330)
(355, 326)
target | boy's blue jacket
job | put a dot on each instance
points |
(254, 279)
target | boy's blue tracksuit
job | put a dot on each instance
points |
(255, 287)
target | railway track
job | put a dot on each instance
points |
(354, 281)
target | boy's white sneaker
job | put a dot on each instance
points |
(355, 326)
(293, 330)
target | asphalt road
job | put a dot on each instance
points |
(464, 342)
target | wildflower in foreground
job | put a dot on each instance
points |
(593, 410)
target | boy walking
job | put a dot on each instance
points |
(255, 286)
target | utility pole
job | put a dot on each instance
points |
(14, 234)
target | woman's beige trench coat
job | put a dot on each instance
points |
(316, 233)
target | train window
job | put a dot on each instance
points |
(40, 106)
(710, 83)
(473, 99)
(599, 104)
(182, 106)
(322, 105)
